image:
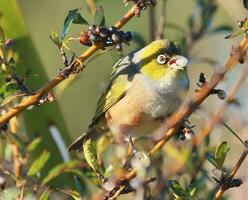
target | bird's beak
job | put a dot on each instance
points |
(178, 62)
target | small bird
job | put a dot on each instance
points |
(146, 86)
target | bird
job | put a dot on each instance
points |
(145, 87)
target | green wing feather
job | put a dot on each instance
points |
(123, 72)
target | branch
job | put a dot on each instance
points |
(34, 99)
(226, 184)
(170, 126)
(216, 118)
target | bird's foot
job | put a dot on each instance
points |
(140, 155)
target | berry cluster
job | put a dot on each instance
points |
(141, 4)
(186, 132)
(109, 36)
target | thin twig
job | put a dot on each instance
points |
(63, 56)
(233, 132)
(161, 24)
(170, 127)
(17, 165)
(152, 24)
(34, 99)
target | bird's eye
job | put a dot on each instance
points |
(161, 59)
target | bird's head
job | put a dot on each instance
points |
(162, 58)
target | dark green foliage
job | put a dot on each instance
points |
(75, 17)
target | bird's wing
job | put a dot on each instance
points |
(121, 76)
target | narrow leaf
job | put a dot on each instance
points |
(45, 195)
(68, 22)
(176, 188)
(210, 157)
(219, 29)
(39, 163)
(71, 166)
(99, 18)
(34, 144)
(72, 193)
(191, 189)
(73, 16)
(54, 36)
(220, 154)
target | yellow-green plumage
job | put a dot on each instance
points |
(142, 89)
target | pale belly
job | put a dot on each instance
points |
(143, 108)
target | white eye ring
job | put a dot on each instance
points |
(161, 59)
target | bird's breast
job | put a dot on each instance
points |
(144, 103)
(166, 95)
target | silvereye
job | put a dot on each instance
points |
(145, 87)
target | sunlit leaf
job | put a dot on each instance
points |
(8, 89)
(71, 166)
(39, 163)
(99, 18)
(176, 188)
(72, 193)
(34, 144)
(45, 195)
(191, 189)
(54, 36)
(220, 154)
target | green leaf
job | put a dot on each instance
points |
(54, 36)
(78, 19)
(220, 154)
(34, 144)
(176, 188)
(223, 28)
(39, 163)
(71, 166)
(191, 189)
(12, 65)
(99, 18)
(72, 193)
(73, 16)
(45, 195)
(210, 157)
(8, 89)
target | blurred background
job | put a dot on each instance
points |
(77, 97)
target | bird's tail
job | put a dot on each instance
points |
(92, 133)
(77, 144)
